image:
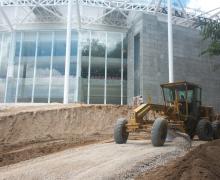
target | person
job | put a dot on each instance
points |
(182, 106)
(182, 98)
(140, 100)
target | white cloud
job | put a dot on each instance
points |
(204, 5)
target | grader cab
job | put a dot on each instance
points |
(182, 112)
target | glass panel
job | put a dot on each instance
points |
(1, 78)
(13, 69)
(189, 96)
(43, 67)
(58, 70)
(27, 67)
(114, 68)
(182, 95)
(5, 39)
(85, 63)
(125, 56)
(97, 68)
(73, 60)
(169, 95)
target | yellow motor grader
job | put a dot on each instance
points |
(182, 112)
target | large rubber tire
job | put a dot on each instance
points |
(120, 133)
(159, 132)
(216, 129)
(204, 130)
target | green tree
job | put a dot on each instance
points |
(210, 30)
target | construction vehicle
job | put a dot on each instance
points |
(182, 112)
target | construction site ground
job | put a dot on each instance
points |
(76, 142)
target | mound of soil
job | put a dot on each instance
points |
(31, 131)
(201, 163)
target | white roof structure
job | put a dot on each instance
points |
(116, 13)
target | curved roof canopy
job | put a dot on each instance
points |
(117, 13)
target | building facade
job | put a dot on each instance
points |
(32, 66)
(148, 60)
(119, 52)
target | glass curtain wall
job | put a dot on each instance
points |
(36, 73)
(73, 63)
(98, 53)
(32, 66)
(86, 62)
(28, 57)
(114, 68)
(43, 67)
(10, 85)
(58, 68)
(104, 67)
(5, 39)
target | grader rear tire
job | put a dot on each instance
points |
(204, 130)
(216, 129)
(120, 133)
(159, 132)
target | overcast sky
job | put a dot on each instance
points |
(204, 5)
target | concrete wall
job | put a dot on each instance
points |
(188, 64)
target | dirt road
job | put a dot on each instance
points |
(202, 163)
(95, 161)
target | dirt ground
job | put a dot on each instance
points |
(75, 142)
(31, 131)
(105, 160)
(202, 163)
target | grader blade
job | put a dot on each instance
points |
(179, 138)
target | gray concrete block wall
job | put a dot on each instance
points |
(130, 68)
(188, 64)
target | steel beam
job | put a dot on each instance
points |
(6, 19)
(78, 14)
(157, 7)
(111, 5)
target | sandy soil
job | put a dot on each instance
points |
(202, 163)
(31, 131)
(96, 161)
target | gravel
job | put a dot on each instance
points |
(97, 161)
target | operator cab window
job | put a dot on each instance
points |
(190, 96)
(169, 95)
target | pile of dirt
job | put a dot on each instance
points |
(202, 162)
(31, 131)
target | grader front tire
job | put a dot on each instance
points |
(120, 133)
(159, 132)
